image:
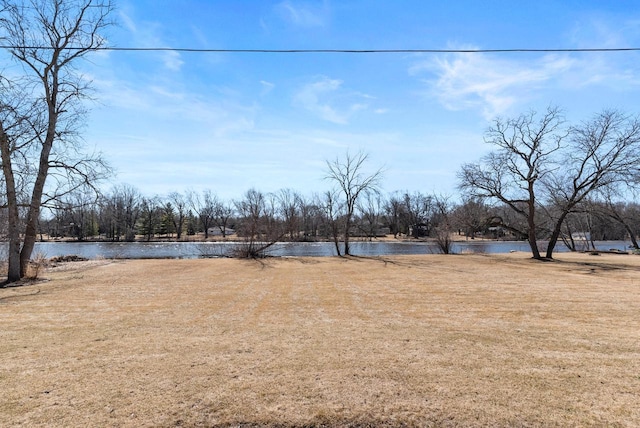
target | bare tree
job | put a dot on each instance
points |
(204, 208)
(332, 215)
(349, 177)
(508, 222)
(512, 174)
(577, 227)
(222, 215)
(75, 215)
(272, 220)
(417, 210)
(310, 216)
(539, 161)
(602, 152)
(176, 208)
(47, 38)
(394, 210)
(472, 217)
(257, 225)
(370, 208)
(443, 228)
(120, 212)
(289, 207)
(623, 213)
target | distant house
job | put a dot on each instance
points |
(581, 236)
(419, 230)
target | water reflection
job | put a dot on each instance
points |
(141, 250)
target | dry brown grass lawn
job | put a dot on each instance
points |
(410, 340)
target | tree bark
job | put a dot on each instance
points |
(347, 227)
(31, 229)
(14, 271)
(531, 222)
(555, 235)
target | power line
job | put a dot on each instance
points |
(340, 51)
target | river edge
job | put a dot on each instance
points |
(218, 249)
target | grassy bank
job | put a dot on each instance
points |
(417, 340)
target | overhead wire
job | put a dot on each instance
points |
(340, 51)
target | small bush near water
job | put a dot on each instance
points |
(69, 258)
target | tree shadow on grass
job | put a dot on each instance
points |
(596, 266)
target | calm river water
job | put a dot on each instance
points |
(155, 250)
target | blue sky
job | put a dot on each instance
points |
(227, 122)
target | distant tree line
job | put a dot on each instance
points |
(544, 183)
(125, 214)
(531, 188)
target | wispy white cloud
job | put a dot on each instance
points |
(305, 15)
(492, 85)
(127, 22)
(267, 87)
(327, 99)
(172, 61)
(164, 104)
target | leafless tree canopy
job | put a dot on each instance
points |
(348, 175)
(540, 164)
(42, 110)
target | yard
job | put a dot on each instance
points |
(464, 340)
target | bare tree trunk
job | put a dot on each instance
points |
(13, 273)
(347, 228)
(554, 235)
(336, 243)
(31, 230)
(533, 244)
(632, 236)
(568, 240)
(335, 233)
(531, 223)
